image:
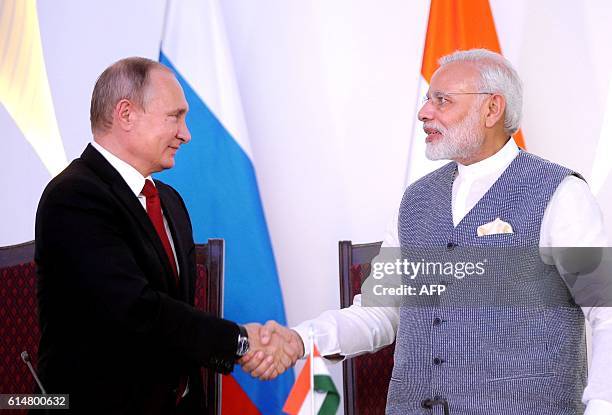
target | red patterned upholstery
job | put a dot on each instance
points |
(371, 372)
(201, 288)
(366, 378)
(18, 319)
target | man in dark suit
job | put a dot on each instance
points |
(116, 262)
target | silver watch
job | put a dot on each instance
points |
(243, 342)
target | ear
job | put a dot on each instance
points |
(495, 110)
(125, 114)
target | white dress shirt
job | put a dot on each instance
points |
(135, 182)
(571, 219)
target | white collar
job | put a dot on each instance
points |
(497, 162)
(132, 177)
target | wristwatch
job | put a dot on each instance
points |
(243, 342)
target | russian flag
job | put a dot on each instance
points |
(215, 175)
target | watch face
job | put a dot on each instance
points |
(243, 345)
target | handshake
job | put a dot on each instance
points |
(273, 349)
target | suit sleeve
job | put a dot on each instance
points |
(81, 240)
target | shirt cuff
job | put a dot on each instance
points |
(598, 407)
(325, 339)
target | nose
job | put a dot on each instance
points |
(183, 133)
(426, 111)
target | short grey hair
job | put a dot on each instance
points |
(125, 79)
(496, 75)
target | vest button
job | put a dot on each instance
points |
(427, 403)
(450, 246)
(437, 361)
(437, 321)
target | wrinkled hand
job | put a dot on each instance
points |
(273, 350)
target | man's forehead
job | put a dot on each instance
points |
(161, 77)
(455, 76)
(163, 83)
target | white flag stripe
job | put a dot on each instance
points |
(306, 408)
(214, 80)
(319, 369)
(603, 155)
(418, 164)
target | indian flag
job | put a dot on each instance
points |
(453, 25)
(326, 399)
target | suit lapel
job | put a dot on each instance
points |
(107, 172)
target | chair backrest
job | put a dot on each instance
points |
(19, 329)
(18, 317)
(366, 377)
(209, 298)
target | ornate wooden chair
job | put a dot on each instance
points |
(209, 298)
(366, 377)
(18, 318)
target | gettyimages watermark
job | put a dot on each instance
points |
(489, 276)
(412, 269)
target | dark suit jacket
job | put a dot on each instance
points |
(116, 333)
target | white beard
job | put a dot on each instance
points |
(459, 142)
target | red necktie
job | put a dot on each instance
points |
(155, 214)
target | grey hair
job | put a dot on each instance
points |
(496, 75)
(125, 79)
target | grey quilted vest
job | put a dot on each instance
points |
(525, 355)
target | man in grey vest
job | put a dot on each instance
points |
(469, 351)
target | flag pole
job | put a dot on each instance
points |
(312, 357)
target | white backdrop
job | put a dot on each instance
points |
(329, 92)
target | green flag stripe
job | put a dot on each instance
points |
(324, 383)
(330, 404)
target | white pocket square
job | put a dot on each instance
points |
(494, 228)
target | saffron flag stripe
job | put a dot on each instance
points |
(216, 177)
(451, 27)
